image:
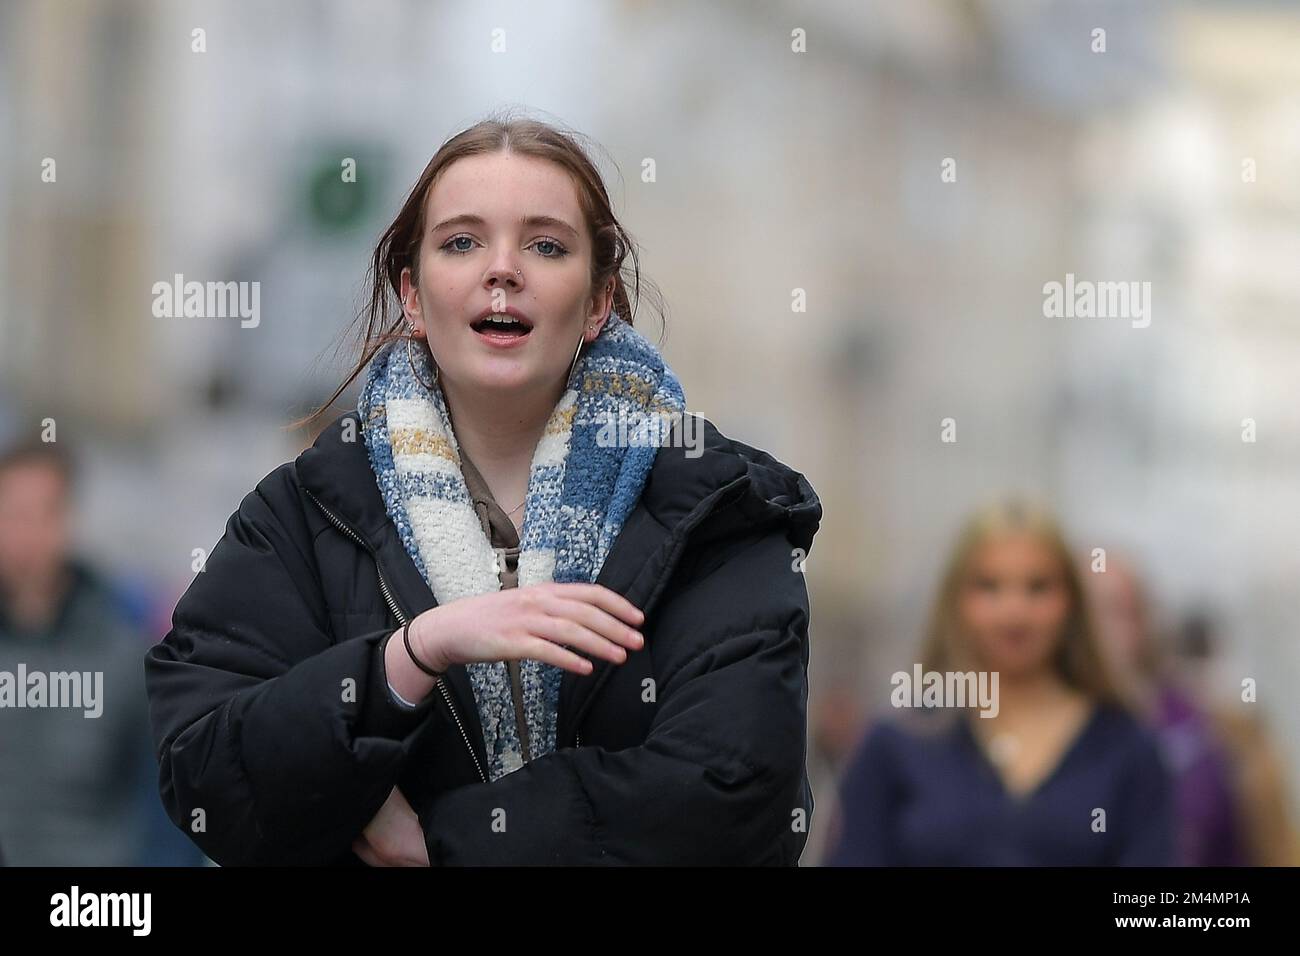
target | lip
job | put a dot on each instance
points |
(497, 340)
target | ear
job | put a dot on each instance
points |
(601, 305)
(411, 300)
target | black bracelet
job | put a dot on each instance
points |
(406, 639)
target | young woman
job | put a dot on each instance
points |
(1061, 774)
(484, 620)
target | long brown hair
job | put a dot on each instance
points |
(1079, 660)
(399, 246)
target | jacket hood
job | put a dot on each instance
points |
(782, 493)
(760, 490)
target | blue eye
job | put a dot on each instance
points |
(557, 251)
(560, 250)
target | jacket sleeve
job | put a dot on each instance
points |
(276, 745)
(721, 777)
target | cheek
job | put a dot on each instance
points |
(438, 287)
(442, 280)
(1050, 611)
(977, 611)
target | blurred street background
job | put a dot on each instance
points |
(832, 295)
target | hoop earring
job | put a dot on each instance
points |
(574, 364)
(410, 358)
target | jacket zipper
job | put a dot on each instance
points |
(401, 619)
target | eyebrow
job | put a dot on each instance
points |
(468, 219)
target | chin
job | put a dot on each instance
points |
(1010, 662)
(505, 376)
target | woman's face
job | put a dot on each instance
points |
(505, 232)
(1119, 619)
(1013, 604)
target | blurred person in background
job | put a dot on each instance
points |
(1267, 829)
(70, 782)
(1062, 774)
(835, 726)
(1208, 828)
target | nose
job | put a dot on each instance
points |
(502, 275)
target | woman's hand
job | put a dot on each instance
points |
(538, 622)
(394, 837)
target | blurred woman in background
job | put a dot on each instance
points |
(1058, 772)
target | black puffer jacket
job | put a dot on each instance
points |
(278, 741)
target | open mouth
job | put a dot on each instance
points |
(502, 327)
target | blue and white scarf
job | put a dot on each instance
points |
(581, 488)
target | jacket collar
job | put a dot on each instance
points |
(681, 491)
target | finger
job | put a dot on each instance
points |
(596, 619)
(540, 649)
(562, 630)
(601, 596)
(400, 802)
(368, 856)
(417, 854)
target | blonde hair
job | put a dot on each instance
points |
(1078, 659)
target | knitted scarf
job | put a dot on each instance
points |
(581, 488)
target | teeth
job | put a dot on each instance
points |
(503, 320)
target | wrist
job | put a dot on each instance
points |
(424, 646)
(406, 682)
